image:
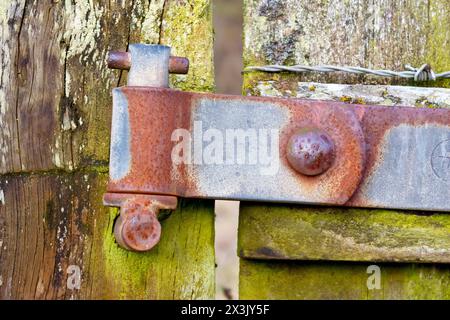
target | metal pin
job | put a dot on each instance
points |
(122, 60)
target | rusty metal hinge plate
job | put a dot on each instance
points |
(171, 143)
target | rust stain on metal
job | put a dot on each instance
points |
(178, 65)
(122, 60)
(340, 181)
(138, 226)
(356, 130)
(119, 60)
(154, 114)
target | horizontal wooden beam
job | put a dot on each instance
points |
(350, 281)
(283, 232)
(422, 97)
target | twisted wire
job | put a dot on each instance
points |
(424, 73)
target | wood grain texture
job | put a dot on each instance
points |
(339, 280)
(55, 91)
(55, 114)
(383, 34)
(49, 223)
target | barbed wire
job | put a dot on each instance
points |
(424, 73)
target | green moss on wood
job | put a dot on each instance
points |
(318, 233)
(181, 266)
(320, 280)
(187, 28)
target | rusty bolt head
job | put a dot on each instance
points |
(137, 228)
(310, 151)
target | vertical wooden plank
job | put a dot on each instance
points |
(55, 102)
(56, 88)
(383, 34)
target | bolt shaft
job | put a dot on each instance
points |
(122, 60)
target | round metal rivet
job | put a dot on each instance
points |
(310, 151)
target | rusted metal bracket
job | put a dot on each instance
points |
(137, 228)
(167, 143)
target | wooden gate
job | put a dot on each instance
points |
(301, 252)
(56, 238)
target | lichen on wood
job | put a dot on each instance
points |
(383, 34)
(386, 95)
(54, 69)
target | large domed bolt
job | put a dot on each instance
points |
(310, 151)
(137, 227)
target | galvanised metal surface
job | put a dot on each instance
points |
(150, 65)
(388, 157)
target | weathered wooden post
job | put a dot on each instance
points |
(56, 237)
(301, 252)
